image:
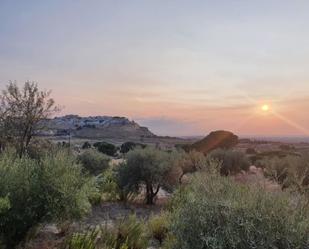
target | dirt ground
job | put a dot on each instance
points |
(50, 237)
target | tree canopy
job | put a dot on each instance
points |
(21, 112)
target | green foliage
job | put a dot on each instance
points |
(93, 161)
(85, 240)
(51, 189)
(127, 146)
(214, 212)
(182, 163)
(233, 161)
(158, 227)
(108, 186)
(275, 168)
(128, 233)
(21, 112)
(86, 145)
(192, 161)
(38, 148)
(127, 189)
(4, 205)
(143, 167)
(106, 148)
(290, 171)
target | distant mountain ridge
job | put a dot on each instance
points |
(94, 127)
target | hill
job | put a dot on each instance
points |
(215, 140)
(94, 127)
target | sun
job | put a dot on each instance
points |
(265, 108)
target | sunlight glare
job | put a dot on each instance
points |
(265, 108)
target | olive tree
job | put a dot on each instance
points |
(191, 162)
(144, 168)
(21, 112)
(52, 189)
(93, 161)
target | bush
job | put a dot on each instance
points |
(108, 186)
(143, 167)
(4, 206)
(251, 151)
(127, 190)
(93, 161)
(52, 189)
(286, 147)
(275, 168)
(158, 227)
(233, 161)
(127, 146)
(216, 213)
(38, 148)
(86, 145)
(191, 162)
(85, 240)
(128, 233)
(290, 171)
(106, 148)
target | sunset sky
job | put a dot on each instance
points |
(178, 67)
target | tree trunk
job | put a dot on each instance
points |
(151, 194)
(149, 197)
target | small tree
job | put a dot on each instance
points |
(127, 146)
(233, 161)
(21, 112)
(86, 145)
(144, 167)
(191, 162)
(93, 161)
(106, 148)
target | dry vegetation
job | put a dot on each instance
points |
(137, 196)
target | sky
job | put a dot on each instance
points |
(179, 67)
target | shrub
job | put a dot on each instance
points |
(286, 147)
(143, 167)
(127, 146)
(290, 171)
(106, 148)
(182, 163)
(85, 240)
(38, 148)
(108, 186)
(191, 162)
(233, 161)
(275, 168)
(128, 233)
(251, 151)
(158, 227)
(93, 161)
(86, 145)
(4, 206)
(126, 189)
(216, 213)
(52, 189)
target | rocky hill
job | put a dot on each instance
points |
(94, 127)
(215, 140)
